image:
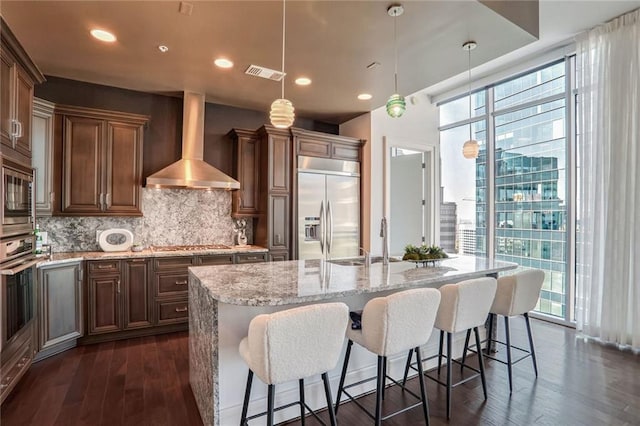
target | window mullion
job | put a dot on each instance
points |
(491, 181)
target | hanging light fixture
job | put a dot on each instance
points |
(282, 111)
(396, 104)
(470, 149)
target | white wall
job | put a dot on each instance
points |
(417, 128)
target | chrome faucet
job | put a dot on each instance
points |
(385, 243)
(367, 257)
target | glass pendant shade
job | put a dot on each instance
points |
(471, 149)
(396, 105)
(282, 113)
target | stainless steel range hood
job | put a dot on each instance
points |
(192, 171)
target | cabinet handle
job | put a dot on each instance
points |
(5, 385)
(105, 266)
(185, 309)
(107, 201)
(14, 128)
(19, 129)
(252, 257)
(118, 286)
(183, 282)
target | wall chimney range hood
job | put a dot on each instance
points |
(192, 172)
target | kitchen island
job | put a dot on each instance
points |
(223, 300)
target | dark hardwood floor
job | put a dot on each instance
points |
(144, 381)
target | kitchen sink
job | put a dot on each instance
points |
(359, 261)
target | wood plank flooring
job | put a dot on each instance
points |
(145, 381)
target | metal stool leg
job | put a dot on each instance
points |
(490, 334)
(247, 394)
(343, 375)
(270, 398)
(440, 351)
(508, 335)
(301, 385)
(533, 351)
(464, 351)
(423, 391)
(449, 349)
(378, 419)
(481, 362)
(406, 367)
(384, 376)
(327, 393)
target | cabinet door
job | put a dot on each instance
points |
(7, 92)
(245, 201)
(104, 304)
(280, 222)
(136, 297)
(42, 160)
(60, 304)
(279, 163)
(123, 168)
(24, 96)
(81, 192)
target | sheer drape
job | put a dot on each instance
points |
(608, 225)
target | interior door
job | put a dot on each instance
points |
(311, 215)
(343, 216)
(405, 202)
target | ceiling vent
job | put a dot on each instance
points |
(262, 72)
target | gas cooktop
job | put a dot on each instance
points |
(190, 248)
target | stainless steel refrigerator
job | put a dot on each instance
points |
(328, 208)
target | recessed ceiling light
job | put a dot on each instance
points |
(223, 63)
(163, 48)
(364, 96)
(303, 81)
(103, 35)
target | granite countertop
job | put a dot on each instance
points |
(59, 258)
(300, 281)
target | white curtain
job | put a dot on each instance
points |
(608, 225)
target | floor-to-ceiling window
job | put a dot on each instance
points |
(520, 176)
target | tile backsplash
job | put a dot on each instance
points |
(170, 217)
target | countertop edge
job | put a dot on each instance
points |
(69, 257)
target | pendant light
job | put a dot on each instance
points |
(282, 111)
(470, 149)
(396, 104)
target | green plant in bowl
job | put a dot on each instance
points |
(411, 252)
(432, 252)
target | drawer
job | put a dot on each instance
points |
(171, 283)
(172, 311)
(103, 266)
(216, 259)
(165, 263)
(251, 257)
(13, 370)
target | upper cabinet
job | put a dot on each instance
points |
(18, 74)
(100, 153)
(42, 161)
(316, 144)
(246, 169)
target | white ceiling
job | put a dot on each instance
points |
(329, 41)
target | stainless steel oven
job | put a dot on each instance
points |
(17, 268)
(17, 213)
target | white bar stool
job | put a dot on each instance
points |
(517, 294)
(392, 325)
(291, 345)
(464, 306)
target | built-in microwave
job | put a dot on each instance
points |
(17, 213)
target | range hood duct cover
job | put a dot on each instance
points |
(192, 171)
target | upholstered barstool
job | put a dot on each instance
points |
(292, 345)
(516, 294)
(464, 306)
(392, 325)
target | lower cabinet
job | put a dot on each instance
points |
(60, 318)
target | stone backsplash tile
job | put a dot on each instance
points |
(170, 217)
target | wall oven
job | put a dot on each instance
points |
(18, 205)
(17, 268)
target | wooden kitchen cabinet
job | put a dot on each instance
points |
(60, 308)
(316, 144)
(246, 170)
(171, 284)
(18, 75)
(100, 153)
(119, 296)
(42, 155)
